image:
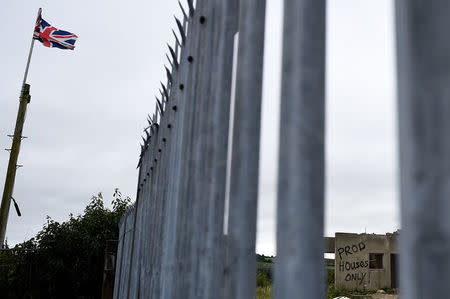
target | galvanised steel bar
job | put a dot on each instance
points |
(228, 286)
(161, 195)
(133, 277)
(166, 128)
(154, 220)
(159, 208)
(169, 286)
(119, 258)
(159, 199)
(202, 152)
(193, 181)
(185, 208)
(142, 202)
(245, 149)
(148, 207)
(126, 255)
(144, 229)
(150, 215)
(227, 20)
(183, 110)
(133, 290)
(423, 56)
(175, 123)
(122, 286)
(300, 218)
(136, 259)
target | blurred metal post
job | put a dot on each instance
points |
(300, 219)
(245, 149)
(423, 57)
(226, 28)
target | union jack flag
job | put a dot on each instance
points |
(52, 37)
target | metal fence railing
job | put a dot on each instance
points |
(172, 242)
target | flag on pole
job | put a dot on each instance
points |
(53, 37)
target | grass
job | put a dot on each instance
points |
(332, 292)
(264, 292)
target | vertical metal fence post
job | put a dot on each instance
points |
(133, 282)
(143, 229)
(119, 259)
(148, 207)
(157, 196)
(201, 153)
(184, 110)
(151, 215)
(245, 149)
(126, 255)
(300, 246)
(172, 165)
(423, 57)
(184, 273)
(220, 110)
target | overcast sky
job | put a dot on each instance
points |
(88, 109)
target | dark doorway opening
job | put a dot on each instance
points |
(394, 284)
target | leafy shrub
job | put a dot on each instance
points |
(64, 260)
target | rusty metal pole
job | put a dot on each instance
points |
(12, 165)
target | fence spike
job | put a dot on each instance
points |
(176, 38)
(174, 56)
(140, 161)
(182, 9)
(159, 107)
(169, 75)
(191, 7)
(168, 59)
(166, 94)
(161, 93)
(180, 28)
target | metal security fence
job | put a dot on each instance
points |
(172, 242)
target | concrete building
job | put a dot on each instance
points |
(364, 261)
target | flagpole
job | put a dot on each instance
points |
(29, 54)
(15, 148)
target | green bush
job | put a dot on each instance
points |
(64, 260)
